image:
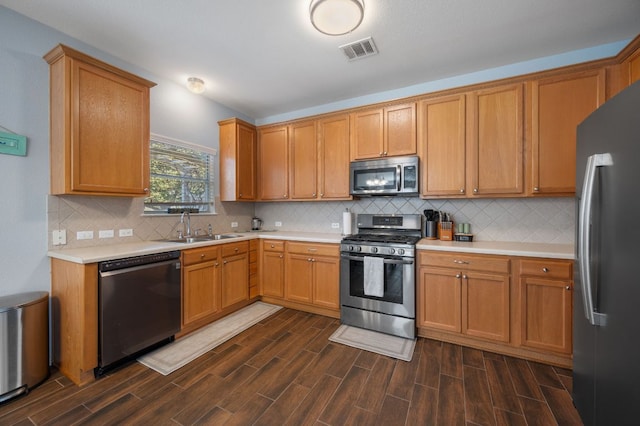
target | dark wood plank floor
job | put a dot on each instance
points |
(285, 371)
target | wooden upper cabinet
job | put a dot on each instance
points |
(238, 160)
(99, 118)
(558, 105)
(495, 134)
(382, 132)
(273, 163)
(303, 160)
(442, 147)
(333, 161)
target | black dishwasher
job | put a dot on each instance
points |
(138, 306)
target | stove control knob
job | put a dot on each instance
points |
(400, 251)
(392, 250)
(351, 248)
(374, 249)
(359, 248)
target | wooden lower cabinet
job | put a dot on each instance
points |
(254, 279)
(215, 282)
(468, 299)
(200, 291)
(303, 276)
(546, 294)
(235, 273)
(461, 301)
(272, 268)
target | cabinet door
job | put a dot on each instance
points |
(558, 105)
(238, 160)
(546, 314)
(273, 163)
(496, 140)
(299, 278)
(439, 299)
(235, 279)
(442, 142)
(273, 274)
(326, 286)
(367, 134)
(334, 157)
(247, 164)
(400, 130)
(303, 160)
(111, 128)
(485, 306)
(200, 291)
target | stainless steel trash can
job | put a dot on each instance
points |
(24, 342)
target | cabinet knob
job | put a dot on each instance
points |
(273, 246)
(465, 277)
(280, 256)
(309, 260)
(381, 154)
(536, 189)
(545, 270)
(216, 264)
(240, 194)
(385, 153)
(146, 190)
(462, 190)
(568, 288)
(284, 196)
(202, 256)
(313, 195)
(224, 262)
(457, 275)
(321, 194)
(236, 249)
(475, 190)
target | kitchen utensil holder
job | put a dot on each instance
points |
(445, 230)
(431, 230)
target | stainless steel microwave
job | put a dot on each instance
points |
(386, 176)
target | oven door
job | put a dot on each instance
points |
(399, 285)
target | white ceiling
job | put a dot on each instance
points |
(263, 57)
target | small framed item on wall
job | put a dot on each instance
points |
(13, 144)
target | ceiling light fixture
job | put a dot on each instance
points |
(336, 17)
(195, 85)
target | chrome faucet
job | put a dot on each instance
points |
(186, 226)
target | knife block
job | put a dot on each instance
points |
(445, 231)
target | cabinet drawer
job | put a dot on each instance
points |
(232, 249)
(314, 249)
(465, 262)
(547, 268)
(273, 245)
(203, 254)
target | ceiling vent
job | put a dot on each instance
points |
(360, 49)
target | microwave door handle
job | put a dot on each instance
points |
(398, 176)
(584, 236)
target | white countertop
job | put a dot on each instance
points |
(555, 251)
(117, 251)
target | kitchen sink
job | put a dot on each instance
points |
(201, 238)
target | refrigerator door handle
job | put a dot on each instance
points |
(584, 236)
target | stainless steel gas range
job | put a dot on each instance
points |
(377, 274)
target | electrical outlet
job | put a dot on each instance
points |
(84, 235)
(234, 224)
(278, 224)
(105, 233)
(125, 232)
(59, 237)
(335, 225)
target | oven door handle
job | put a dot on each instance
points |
(361, 259)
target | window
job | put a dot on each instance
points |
(181, 177)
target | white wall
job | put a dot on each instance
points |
(24, 109)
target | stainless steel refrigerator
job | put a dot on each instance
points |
(606, 305)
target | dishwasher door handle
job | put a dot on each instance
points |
(139, 268)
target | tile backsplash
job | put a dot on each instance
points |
(549, 220)
(84, 213)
